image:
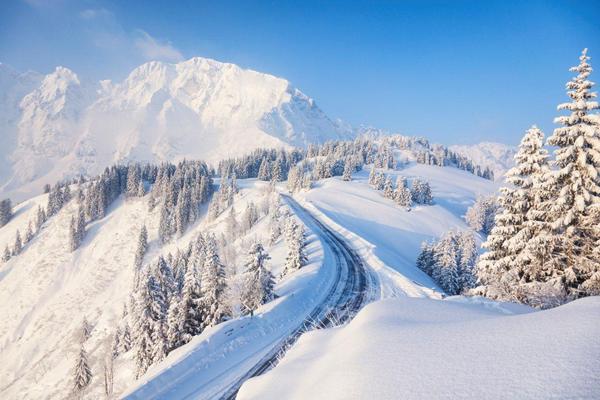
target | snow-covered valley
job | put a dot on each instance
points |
(50, 291)
(207, 232)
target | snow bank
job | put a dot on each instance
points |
(431, 349)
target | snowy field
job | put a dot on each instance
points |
(388, 237)
(411, 344)
(408, 348)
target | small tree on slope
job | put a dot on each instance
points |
(82, 374)
(258, 281)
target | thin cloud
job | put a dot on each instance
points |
(106, 32)
(153, 49)
(92, 13)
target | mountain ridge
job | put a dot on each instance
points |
(64, 126)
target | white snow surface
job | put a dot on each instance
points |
(387, 237)
(58, 126)
(411, 348)
(499, 157)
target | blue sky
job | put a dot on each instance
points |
(454, 71)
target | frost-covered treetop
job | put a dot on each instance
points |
(580, 129)
(530, 159)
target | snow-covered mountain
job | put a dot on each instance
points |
(497, 156)
(58, 125)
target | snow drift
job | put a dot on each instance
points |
(430, 349)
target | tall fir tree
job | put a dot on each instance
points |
(213, 286)
(499, 270)
(576, 186)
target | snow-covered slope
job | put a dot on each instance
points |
(411, 348)
(497, 156)
(59, 126)
(47, 291)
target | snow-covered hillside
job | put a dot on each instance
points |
(497, 156)
(58, 125)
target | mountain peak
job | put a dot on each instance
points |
(199, 108)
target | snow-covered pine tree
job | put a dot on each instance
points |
(388, 188)
(258, 280)
(380, 181)
(6, 256)
(82, 374)
(264, 171)
(307, 182)
(500, 268)
(421, 192)
(276, 172)
(40, 218)
(18, 247)
(425, 259)
(372, 176)
(576, 185)
(80, 227)
(5, 212)
(126, 341)
(86, 330)
(403, 197)
(174, 324)
(165, 223)
(166, 281)
(28, 233)
(116, 343)
(149, 335)
(141, 249)
(348, 169)
(446, 267)
(73, 238)
(480, 216)
(134, 177)
(467, 261)
(213, 286)
(183, 210)
(296, 244)
(250, 216)
(294, 181)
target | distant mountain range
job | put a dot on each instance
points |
(498, 157)
(58, 125)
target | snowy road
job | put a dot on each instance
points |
(241, 349)
(354, 287)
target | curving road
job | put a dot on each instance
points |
(354, 287)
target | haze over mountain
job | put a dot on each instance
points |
(58, 125)
(499, 157)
